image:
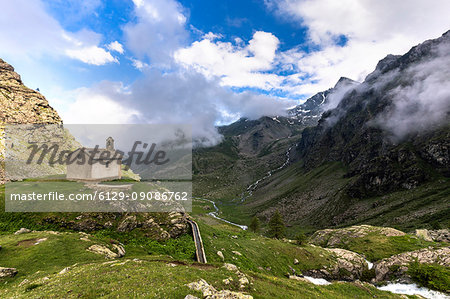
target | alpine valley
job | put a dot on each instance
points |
(346, 196)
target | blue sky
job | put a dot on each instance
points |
(202, 62)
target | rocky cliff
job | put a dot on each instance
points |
(20, 104)
(392, 130)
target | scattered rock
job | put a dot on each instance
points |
(226, 294)
(7, 272)
(128, 224)
(227, 280)
(202, 286)
(441, 235)
(243, 281)
(210, 292)
(230, 267)
(220, 254)
(22, 231)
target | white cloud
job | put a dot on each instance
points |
(421, 102)
(158, 31)
(27, 30)
(139, 64)
(95, 105)
(373, 29)
(236, 65)
(116, 46)
(91, 55)
(178, 97)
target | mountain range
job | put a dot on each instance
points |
(374, 152)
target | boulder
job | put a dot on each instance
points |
(296, 262)
(128, 224)
(348, 266)
(7, 272)
(190, 297)
(397, 265)
(440, 235)
(119, 249)
(339, 237)
(210, 292)
(103, 250)
(220, 254)
(22, 231)
(423, 233)
(202, 286)
(230, 267)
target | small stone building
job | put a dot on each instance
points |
(101, 165)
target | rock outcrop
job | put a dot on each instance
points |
(7, 272)
(23, 230)
(20, 104)
(108, 253)
(397, 265)
(440, 235)
(348, 266)
(339, 237)
(209, 292)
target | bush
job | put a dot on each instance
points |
(432, 276)
(301, 239)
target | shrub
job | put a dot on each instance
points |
(433, 276)
(301, 239)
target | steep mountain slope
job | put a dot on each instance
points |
(380, 157)
(309, 113)
(369, 131)
(250, 148)
(20, 104)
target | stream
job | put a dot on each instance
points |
(249, 191)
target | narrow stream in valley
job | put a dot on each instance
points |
(249, 191)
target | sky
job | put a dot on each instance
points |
(202, 62)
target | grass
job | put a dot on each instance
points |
(136, 275)
(376, 246)
(433, 276)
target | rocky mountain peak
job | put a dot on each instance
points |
(20, 104)
(344, 81)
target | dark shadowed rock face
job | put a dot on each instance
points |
(353, 133)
